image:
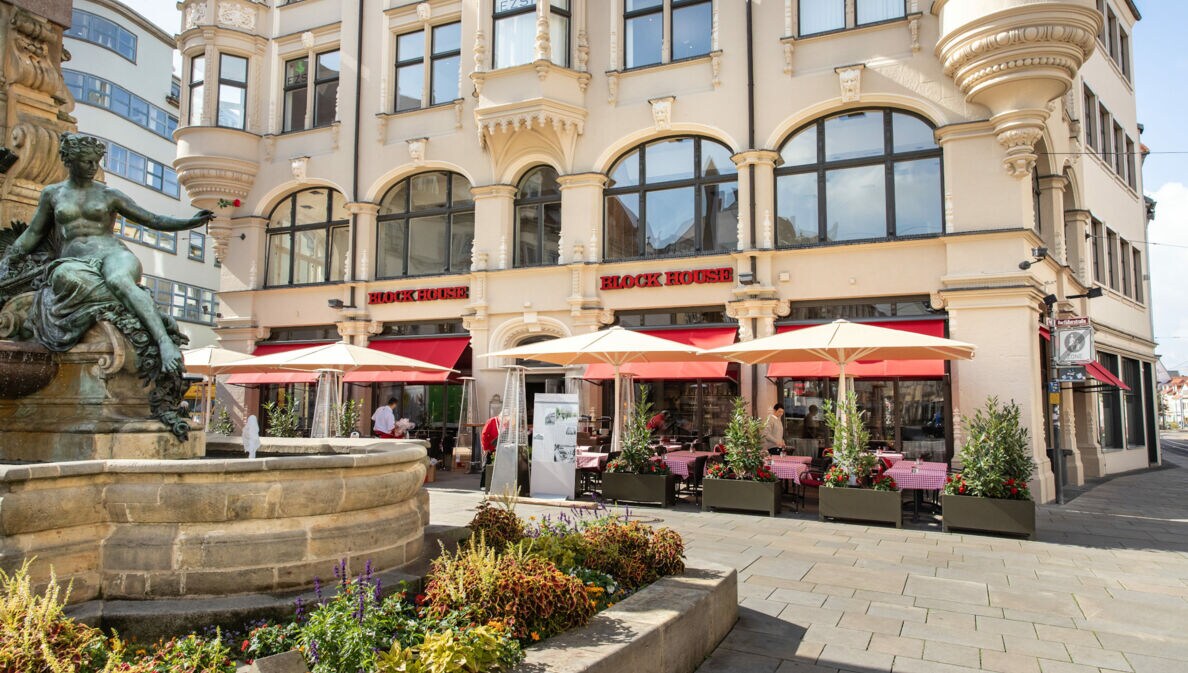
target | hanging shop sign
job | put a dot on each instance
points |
(422, 294)
(1073, 341)
(667, 278)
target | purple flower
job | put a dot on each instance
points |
(300, 605)
(318, 589)
(367, 570)
(379, 594)
(313, 650)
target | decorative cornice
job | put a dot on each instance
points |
(536, 113)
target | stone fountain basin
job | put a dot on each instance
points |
(149, 529)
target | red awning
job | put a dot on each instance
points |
(701, 337)
(443, 351)
(277, 377)
(862, 369)
(1099, 372)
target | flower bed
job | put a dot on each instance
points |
(513, 583)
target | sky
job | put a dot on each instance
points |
(1161, 76)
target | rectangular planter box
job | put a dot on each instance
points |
(657, 489)
(861, 504)
(754, 496)
(989, 515)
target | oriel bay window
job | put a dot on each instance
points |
(442, 53)
(689, 21)
(514, 40)
(311, 104)
(426, 226)
(859, 175)
(197, 88)
(677, 196)
(538, 218)
(308, 238)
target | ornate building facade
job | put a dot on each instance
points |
(449, 178)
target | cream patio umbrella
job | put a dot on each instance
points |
(842, 342)
(614, 346)
(209, 361)
(337, 359)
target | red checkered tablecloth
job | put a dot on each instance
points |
(925, 478)
(589, 460)
(680, 462)
(788, 467)
(893, 457)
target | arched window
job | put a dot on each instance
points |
(308, 238)
(677, 196)
(859, 175)
(538, 218)
(426, 226)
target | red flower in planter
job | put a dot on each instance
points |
(1014, 491)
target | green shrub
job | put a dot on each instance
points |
(283, 421)
(190, 654)
(270, 639)
(528, 594)
(481, 648)
(566, 551)
(222, 424)
(498, 526)
(744, 443)
(35, 635)
(996, 459)
(634, 554)
(349, 413)
(850, 439)
(635, 455)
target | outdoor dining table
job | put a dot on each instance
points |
(892, 457)
(591, 460)
(681, 462)
(788, 467)
(927, 476)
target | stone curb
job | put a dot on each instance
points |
(668, 627)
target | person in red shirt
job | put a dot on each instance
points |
(658, 422)
(490, 435)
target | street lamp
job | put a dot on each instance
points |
(1054, 375)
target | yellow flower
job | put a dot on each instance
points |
(535, 635)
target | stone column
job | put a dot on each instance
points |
(764, 162)
(1003, 322)
(238, 334)
(582, 214)
(763, 311)
(364, 246)
(1088, 436)
(1052, 215)
(244, 250)
(1076, 227)
(493, 208)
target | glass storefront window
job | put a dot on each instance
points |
(303, 395)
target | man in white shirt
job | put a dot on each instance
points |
(384, 420)
(773, 430)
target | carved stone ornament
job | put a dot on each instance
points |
(662, 112)
(424, 11)
(236, 15)
(308, 40)
(850, 80)
(195, 14)
(299, 166)
(1020, 149)
(416, 149)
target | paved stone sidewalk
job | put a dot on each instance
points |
(1104, 589)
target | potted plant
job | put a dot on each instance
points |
(849, 491)
(991, 493)
(743, 482)
(634, 476)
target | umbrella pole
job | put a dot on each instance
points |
(210, 395)
(841, 391)
(616, 434)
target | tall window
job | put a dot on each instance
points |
(1090, 116)
(1105, 132)
(1138, 275)
(1098, 237)
(515, 32)
(232, 90)
(308, 238)
(677, 196)
(103, 32)
(874, 11)
(315, 100)
(538, 218)
(690, 24)
(1111, 258)
(1124, 266)
(426, 226)
(1133, 399)
(1119, 161)
(822, 16)
(442, 53)
(1131, 165)
(859, 175)
(197, 80)
(197, 248)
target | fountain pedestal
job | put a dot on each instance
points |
(85, 404)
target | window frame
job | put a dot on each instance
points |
(310, 85)
(86, 28)
(187, 303)
(850, 19)
(497, 15)
(135, 167)
(1090, 113)
(1131, 164)
(889, 158)
(1137, 256)
(861, 24)
(292, 229)
(166, 241)
(234, 84)
(1097, 235)
(449, 211)
(1112, 258)
(318, 82)
(85, 81)
(697, 183)
(201, 247)
(665, 9)
(540, 203)
(195, 114)
(428, 58)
